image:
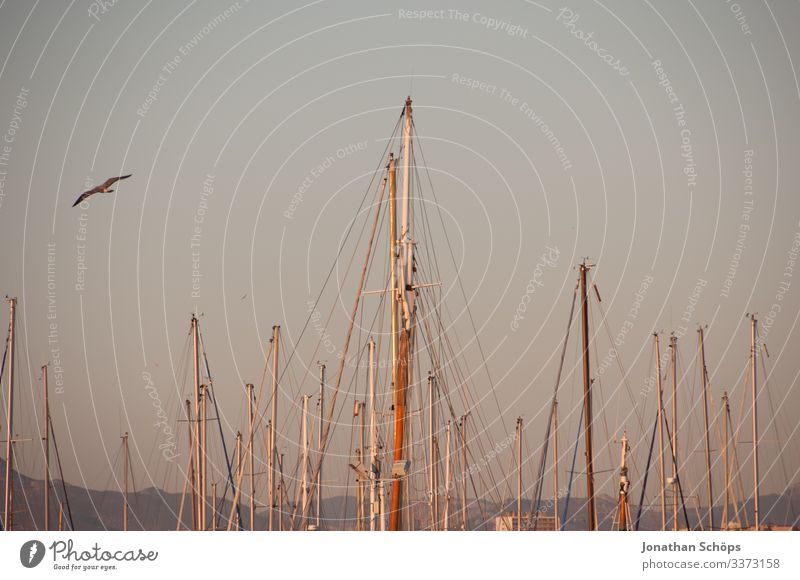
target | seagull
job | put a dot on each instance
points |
(102, 188)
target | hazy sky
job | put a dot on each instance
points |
(658, 139)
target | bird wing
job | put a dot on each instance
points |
(84, 195)
(112, 180)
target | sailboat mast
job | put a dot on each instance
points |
(204, 455)
(673, 343)
(591, 516)
(623, 485)
(250, 426)
(192, 442)
(463, 428)
(319, 443)
(46, 450)
(704, 382)
(434, 508)
(125, 478)
(446, 518)
(273, 423)
(198, 462)
(555, 466)
(660, 395)
(725, 411)
(754, 382)
(304, 482)
(519, 473)
(9, 494)
(374, 466)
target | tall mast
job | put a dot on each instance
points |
(319, 443)
(725, 410)
(125, 477)
(660, 395)
(555, 466)
(404, 294)
(9, 495)
(446, 519)
(251, 417)
(192, 444)
(305, 460)
(673, 344)
(463, 428)
(704, 382)
(432, 493)
(273, 423)
(519, 473)
(46, 451)
(214, 506)
(204, 457)
(239, 467)
(198, 462)
(591, 516)
(374, 465)
(624, 484)
(753, 354)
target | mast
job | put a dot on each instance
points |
(404, 294)
(624, 484)
(9, 494)
(125, 477)
(374, 467)
(250, 427)
(273, 423)
(198, 462)
(446, 521)
(591, 516)
(753, 354)
(191, 462)
(519, 473)
(60, 516)
(704, 381)
(214, 506)
(725, 411)
(239, 467)
(46, 451)
(433, 492)
(555, 466)
(204, 456)
(280, 492)
(673, 344)
(319, 443)
(660, 395)
(463, 428)
(304, 482)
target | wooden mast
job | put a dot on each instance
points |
(725, 411)
(753, 355)
(250, 427)
(624, 484)
(446, 517)
(704, 382)
(46, 450)
(9, 493)
(556, 526)
(433, 492)
(125, 478)
(273, 424)
(198, 461)
(304, 481)
(374, 462)
(519, 473)
(464, 515)
(319, 443)
(591, 516)
(192, 442)
(673, 344)
(660, 396)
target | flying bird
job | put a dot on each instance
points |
(102, 188)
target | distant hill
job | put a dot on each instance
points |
(154, 509)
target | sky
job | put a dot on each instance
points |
(657, 140)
